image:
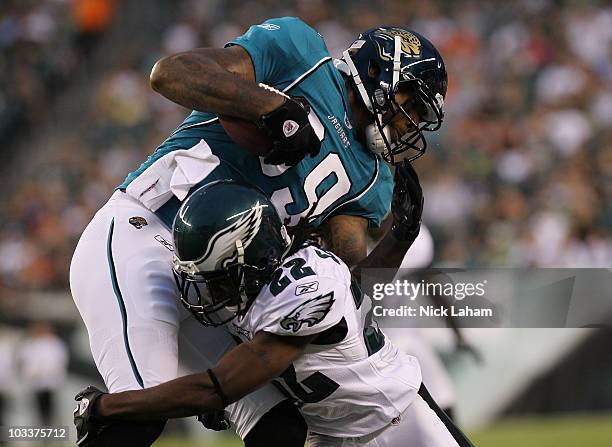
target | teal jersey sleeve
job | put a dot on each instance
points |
(344, 178)
(282, 49)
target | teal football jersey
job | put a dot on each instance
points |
(344, 178)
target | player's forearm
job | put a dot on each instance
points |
(264, 358)
(388, 251)
(388, 254)
(186, 396)
(196, 81)
(346, 237)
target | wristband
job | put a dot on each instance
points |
(217, 386)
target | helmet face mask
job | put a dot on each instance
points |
(228, 240)
(384, 61)
(217, 297)
(430, 119)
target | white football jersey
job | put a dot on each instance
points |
(350, 381)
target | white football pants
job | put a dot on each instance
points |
(122, 283)
(419, 426)
(412, 341)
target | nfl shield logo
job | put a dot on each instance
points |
(290, 127)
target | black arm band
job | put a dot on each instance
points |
(224, 400)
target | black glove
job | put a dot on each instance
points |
(215, 420)
(407, 203)
(88, 425)
(293, 136)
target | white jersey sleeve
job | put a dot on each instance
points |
(306, 296)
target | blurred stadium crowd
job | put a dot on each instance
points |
(519, 175)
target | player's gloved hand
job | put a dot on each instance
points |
(407, 203)
(292, 133)
(215, 420)
(88, 424)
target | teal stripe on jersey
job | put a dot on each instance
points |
(113, 274)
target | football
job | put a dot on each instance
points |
(246, 134)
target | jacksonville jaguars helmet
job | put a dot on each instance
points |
(383, 60)
(228, 239)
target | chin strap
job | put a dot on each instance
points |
(240, 251)
(240, 260)
(342, 67)
(346, 57)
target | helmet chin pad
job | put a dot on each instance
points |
(410, 147)
(374, 139)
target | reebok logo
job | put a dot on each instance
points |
(290, 127)
(307, 288)
(269, 26)
(164, 242)
(240, 331)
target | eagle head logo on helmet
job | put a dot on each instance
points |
(222, 249)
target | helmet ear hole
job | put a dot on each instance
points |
(263, 262)
(409, 86)
(373, 69)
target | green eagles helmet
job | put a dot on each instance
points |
(228, 239)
